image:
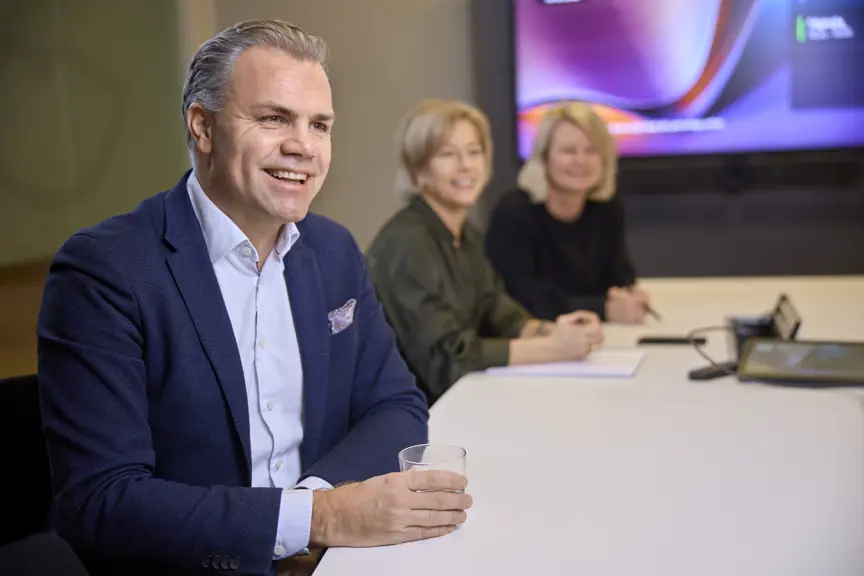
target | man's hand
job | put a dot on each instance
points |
(576, 334)
(626, 306)
(391, 509)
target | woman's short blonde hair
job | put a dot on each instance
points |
(533, 177)
(425, 128)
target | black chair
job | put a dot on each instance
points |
(42, 554)
(25, 475)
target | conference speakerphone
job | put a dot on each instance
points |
(782, 324)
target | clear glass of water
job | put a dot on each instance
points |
(433, 457)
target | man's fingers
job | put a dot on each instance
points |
(433, 518)
(426, 532)
(436, 480)
(442, 501)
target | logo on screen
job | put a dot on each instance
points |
(819, 28)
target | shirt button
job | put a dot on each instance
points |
(247, 251)
(269, 404)
(261, 343)
(279, 550)
(278, 464)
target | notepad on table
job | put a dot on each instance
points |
(611, 363)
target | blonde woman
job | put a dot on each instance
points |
(446, 305)
(558, 239)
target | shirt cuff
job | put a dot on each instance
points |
(295, 524)
(314, 483)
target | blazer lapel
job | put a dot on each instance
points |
(308, 306)
(192, 271)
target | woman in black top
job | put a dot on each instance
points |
(558, 239)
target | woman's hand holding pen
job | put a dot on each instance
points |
(628, 305)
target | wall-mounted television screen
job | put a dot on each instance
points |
(675, 77)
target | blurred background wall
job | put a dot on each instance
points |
(89, 115)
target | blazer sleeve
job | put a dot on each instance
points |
(388, 411)
(93, 388)
(510, 249)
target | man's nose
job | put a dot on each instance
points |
(298, 143)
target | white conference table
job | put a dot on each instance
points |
(656, 475)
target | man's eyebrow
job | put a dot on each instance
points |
(327, 117)
(324, 117)
(274, 107)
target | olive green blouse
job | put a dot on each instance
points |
(445, 303)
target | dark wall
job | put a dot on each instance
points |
(717, 216)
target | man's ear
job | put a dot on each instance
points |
(200, 124)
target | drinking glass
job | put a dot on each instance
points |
(433, 457)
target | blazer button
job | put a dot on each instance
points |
(235, 563)
(214, 563)
(225, 563)
(205, 563)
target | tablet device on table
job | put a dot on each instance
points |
(802, 363)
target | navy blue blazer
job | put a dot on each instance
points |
(144, 402)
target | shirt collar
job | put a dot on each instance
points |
(221, 234)
(436, 226)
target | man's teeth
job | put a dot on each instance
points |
(286, 175)
(465, 183)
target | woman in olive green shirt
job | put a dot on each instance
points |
(446, 305)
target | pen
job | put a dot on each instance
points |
(652, 312)
(648, 308)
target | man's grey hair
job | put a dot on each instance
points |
(212, 66)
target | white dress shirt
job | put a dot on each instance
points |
(260, 311)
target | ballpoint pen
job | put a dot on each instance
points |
(648, 308)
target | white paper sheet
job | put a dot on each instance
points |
(611, 363)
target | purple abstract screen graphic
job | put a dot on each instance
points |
(676, 77)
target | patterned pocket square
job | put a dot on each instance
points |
(342, 318)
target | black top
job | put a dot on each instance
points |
(444, 301)
(554, 267)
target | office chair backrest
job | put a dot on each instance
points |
(41, 554)
(25, 475)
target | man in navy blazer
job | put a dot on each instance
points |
(215, 362)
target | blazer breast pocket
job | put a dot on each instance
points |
(342, 318)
